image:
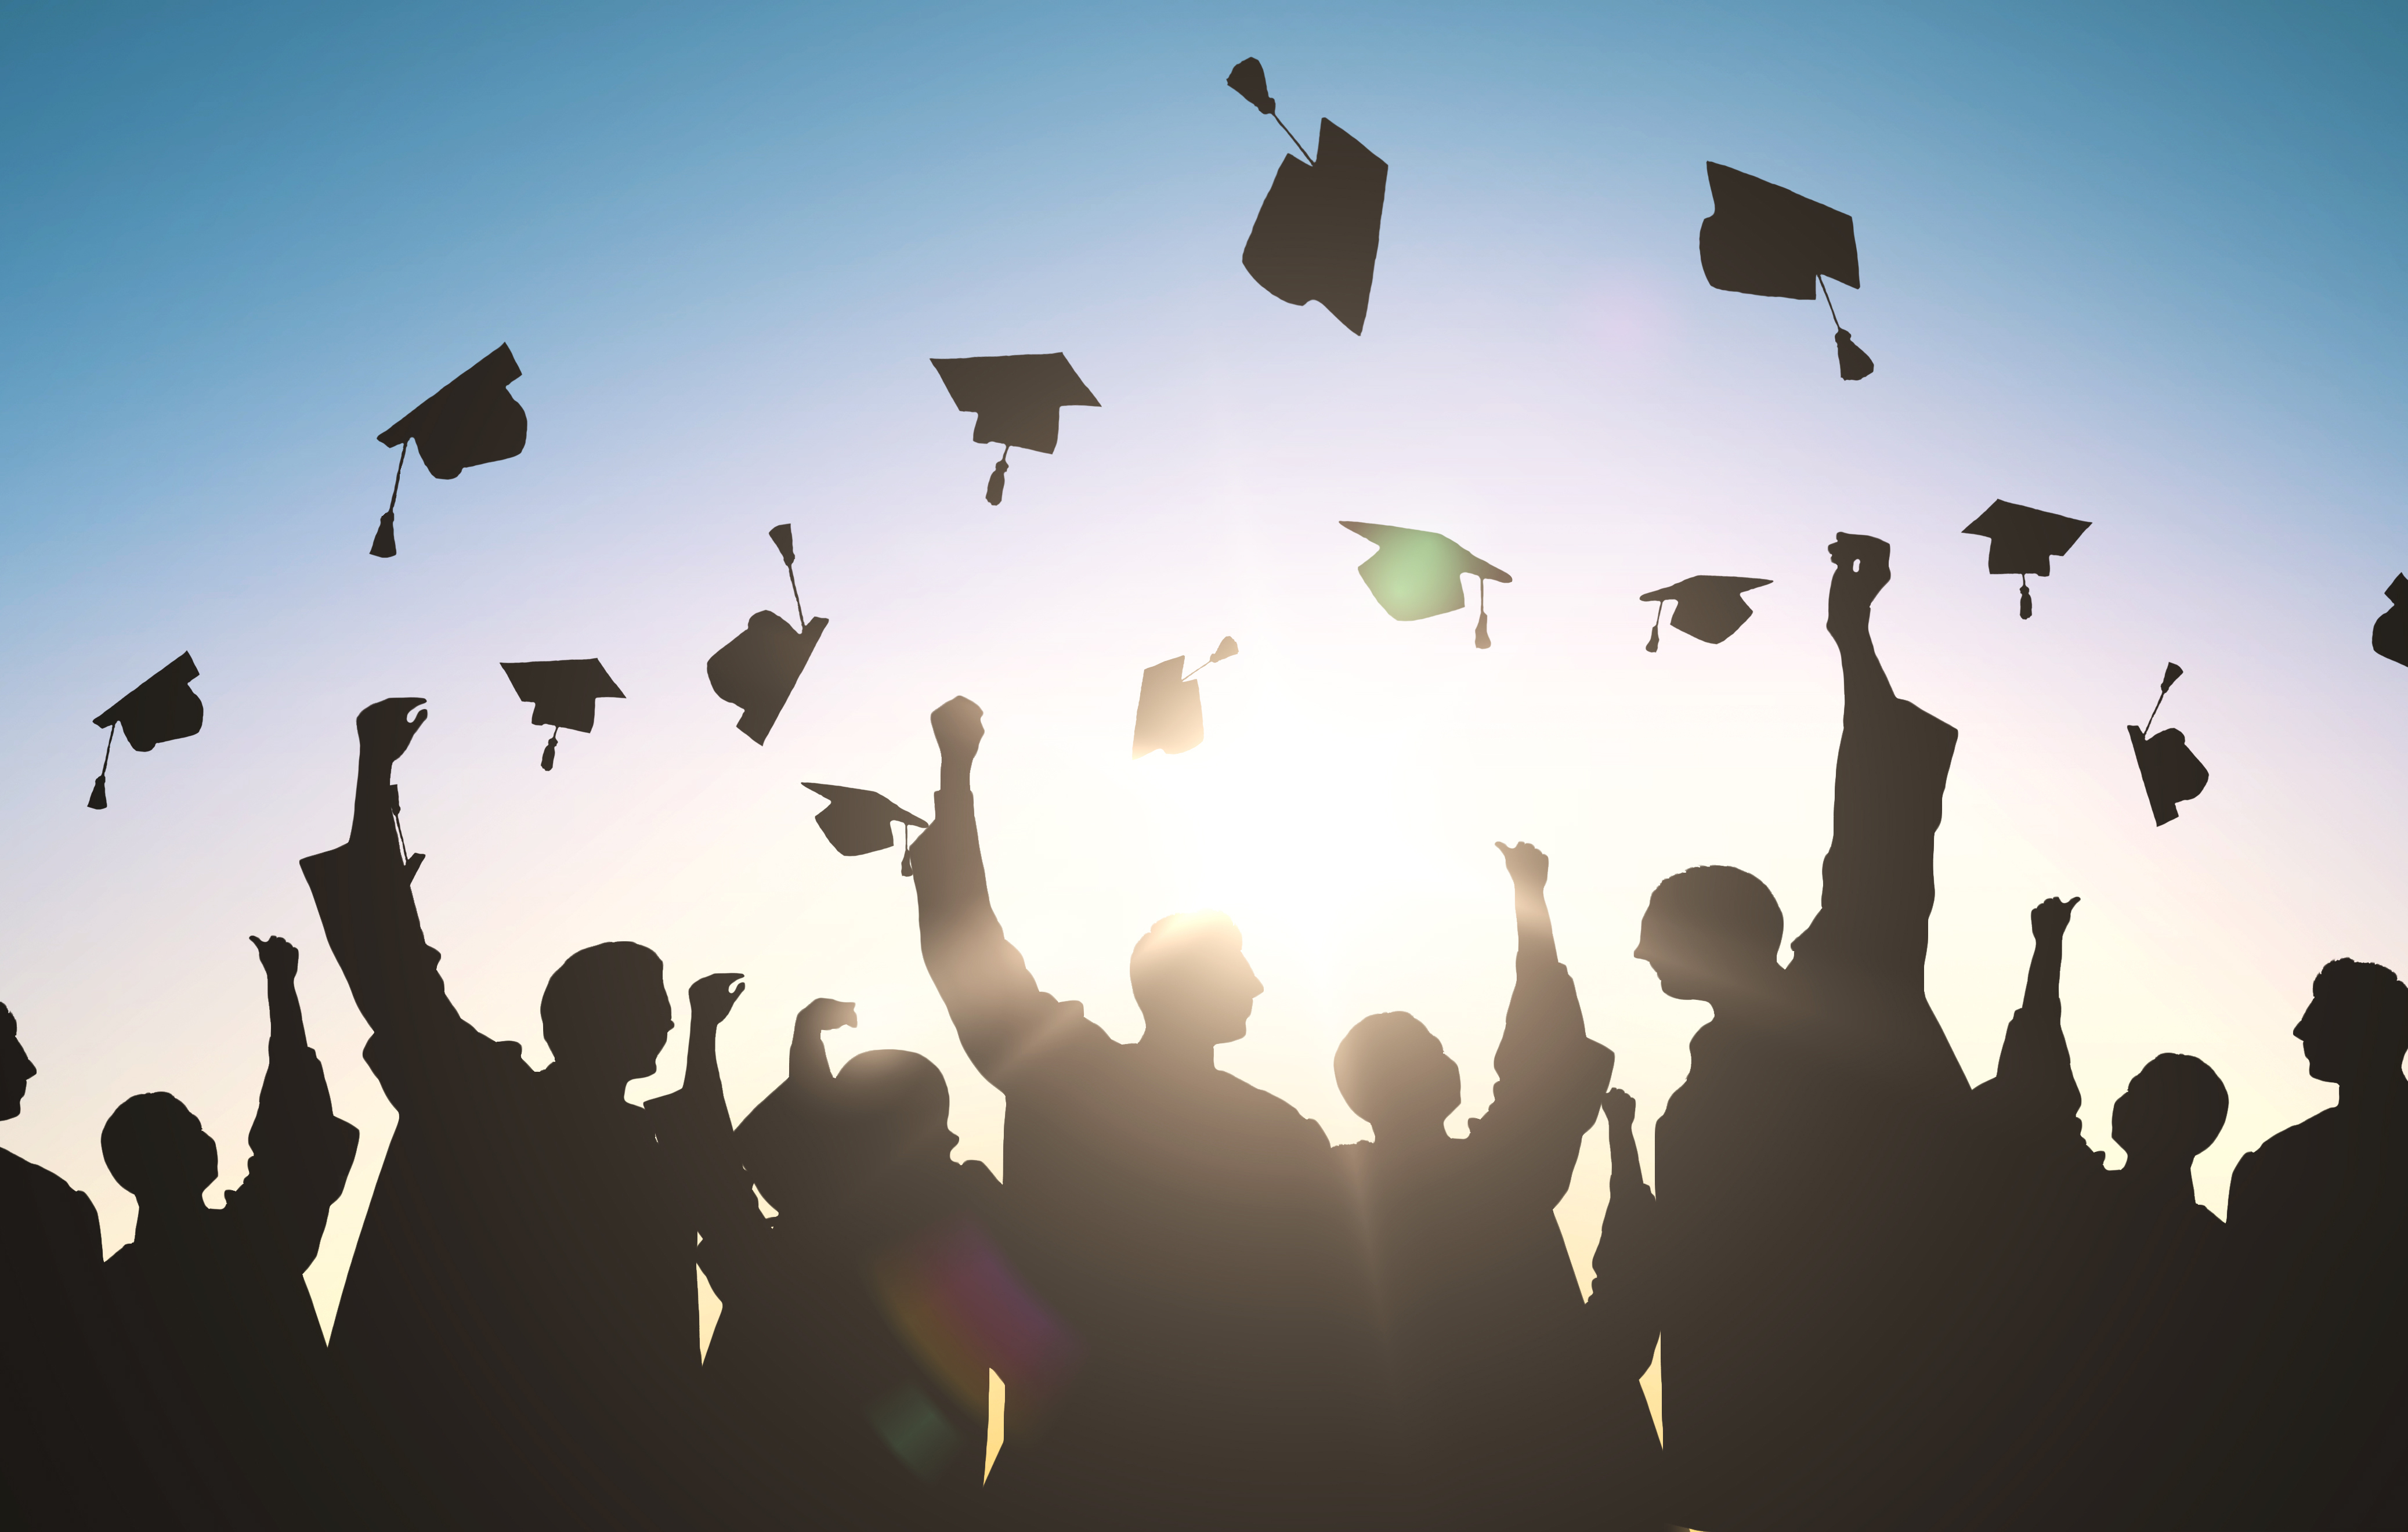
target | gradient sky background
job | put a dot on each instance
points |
(2135, 264)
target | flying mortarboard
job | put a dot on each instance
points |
(757, 670)
(1420, 574)
(162, 708)
(2391, 628)
(1018, 401)
(471, 420)
(2168, 771)
(1705, 606)
(2022, 540)
(1318, 233)
(563, 693)
(857, 822)
(1767, 240)
(1170, 706)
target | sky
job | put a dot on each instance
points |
(2135, 264)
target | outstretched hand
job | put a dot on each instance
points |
(1860, 570)
(959, 728)
(386, 728)
(279, 957)
(825, 1015)
(1526, 864)
(2050, 917)
(711, 997)
(1620, 1110)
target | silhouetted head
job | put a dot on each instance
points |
(1191, 980)
(16, 1067)
(1396, 1076)
(158, 1150)
(895, 1104)
(2356, 1027)
(2172, 1112)
(1712, 934)
(606, 1012)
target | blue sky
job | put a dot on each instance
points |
(2134, 265)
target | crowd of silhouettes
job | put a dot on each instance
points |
(1883, 1296)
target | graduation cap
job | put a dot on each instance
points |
(471, 420)
(1767, 240)
(2170, 772)
(162, 708)
(1318, 233)
(1018, 401)
(2391, 628)
(757, 670)
(2023, 540)
(1420, 574)
(1170, 706)
(1705, 606)
(857, 822)
(563, 693)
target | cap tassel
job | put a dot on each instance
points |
(2026, 601)
(995, 480)
(382, 548)
(99, 798)
(1480, 633)
(1658, 629)
(783, 536)
(1854, 363)
(550, 746)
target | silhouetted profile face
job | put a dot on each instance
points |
(896, 1105)
(2357, 1026)
(1396, 1075)
(606, 1013)
(1711, 933)
(16, 1067)
(2172, 1112)
(1191, 980)
(158, 1150)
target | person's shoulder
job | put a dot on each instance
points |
(1273, 1110)
(35, 1181)
(2305, 1140)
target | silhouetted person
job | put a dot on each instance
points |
(2104, 1297)
(2319, 1218)
(521, 1310)
(1799, 1165)
(212, 1299)
(1187, 1227)
(69, 1456)
(1623, 1319)
(1497, 1415)
(850, 1351)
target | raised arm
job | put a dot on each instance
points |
(1860, 570)
(1550, 1076)
(1624, 1304)
(693, 1125)
(2035, 1083)
(1005, 1022)
(301, 1152)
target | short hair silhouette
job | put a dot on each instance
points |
(2173, 1108)
(897, 1100)
(601, 996)
(1191, 968)
(2359, 1019)
(1721, 908)
(16, 1067)
(1392, 1069)
(155, 1147)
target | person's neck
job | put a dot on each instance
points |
(1422, 1137)
(1755, 997)
(168, 1220)
(2158, 1180)
(1176, 1051)
(2381, 1093)
(588, 1086)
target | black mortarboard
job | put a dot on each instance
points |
(1767, 240)
(757, 670)
(471, 420)
(1420, 574)
(2391, 628)
(563, 693)
(1318, 233)
(1170, 706)
(162, 708)
(2168, 771)
(857, 822)
(1018, 401)
(2023, 540)
(1705, 606)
